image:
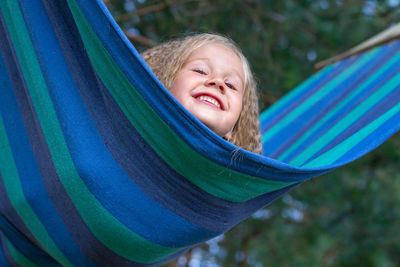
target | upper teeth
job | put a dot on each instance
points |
(210, 100)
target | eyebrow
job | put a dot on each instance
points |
(208, 60)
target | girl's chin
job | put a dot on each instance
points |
(211, 117)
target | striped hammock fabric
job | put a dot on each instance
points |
(100, 166)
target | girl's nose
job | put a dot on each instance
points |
(217, 83)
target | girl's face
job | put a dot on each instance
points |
(210, 85)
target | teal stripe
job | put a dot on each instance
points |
(217, 180)
(18, 257)
(97, 218)
(294, 94)
(319, 95)
(15, 193)
(349, 119)
(18, 33)
(376, 75)
(338, 151)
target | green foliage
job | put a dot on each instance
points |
(346, 218)
(282, 39)
(350, 218)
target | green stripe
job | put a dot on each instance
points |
(282, 103)
(318, 95)
(97, 218)
(18, 257)
(349, 119)
(365, 84)
(334, 154)
(15, 193)
(18, 33)
(209, 176)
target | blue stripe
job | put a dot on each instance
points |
(303, 119)
(187, 127)
(376, 138)
(112, 185)
(26, 164)
(69, 215)
(306, 92)
(148, 171)
(4, 250)
(24, 246)
(299, 91)
(3, 261)
(326, 109)
(365, 93)
(374, 113)
(7, 210)
(10, 215)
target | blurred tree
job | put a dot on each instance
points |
(346, 218)
(282, 39)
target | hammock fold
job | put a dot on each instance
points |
(101, 166)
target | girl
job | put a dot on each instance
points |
(210, 77)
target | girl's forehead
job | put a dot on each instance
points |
(219, 54)
(213, 48)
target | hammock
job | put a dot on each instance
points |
(100, 166)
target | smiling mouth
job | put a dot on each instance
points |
(210, 100)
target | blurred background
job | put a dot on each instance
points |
(349, 217)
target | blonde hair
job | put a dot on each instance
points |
(166, 59)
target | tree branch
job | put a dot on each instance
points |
(149, 9)
(137, 38)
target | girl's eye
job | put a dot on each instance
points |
(231, 86)
(202, 72)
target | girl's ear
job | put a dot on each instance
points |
(228, 136)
